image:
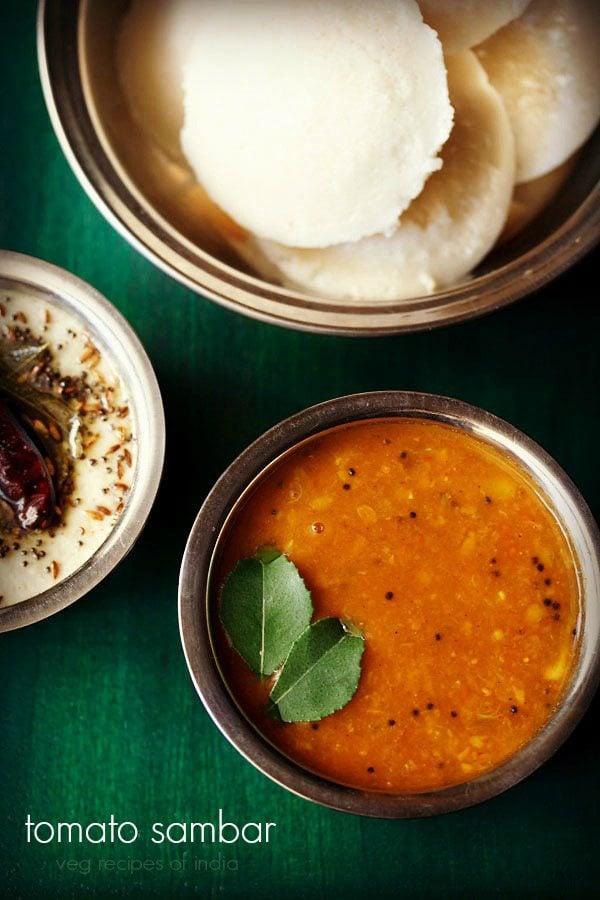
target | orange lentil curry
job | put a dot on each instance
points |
(442, 551)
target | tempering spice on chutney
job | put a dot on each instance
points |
(442, 551)
(67, 446)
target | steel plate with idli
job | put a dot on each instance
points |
(337, 166)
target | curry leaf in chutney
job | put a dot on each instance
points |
(265, 606)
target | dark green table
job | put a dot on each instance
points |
(97, 713)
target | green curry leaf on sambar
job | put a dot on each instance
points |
(266, 611)
(265, 606)
(321, 674)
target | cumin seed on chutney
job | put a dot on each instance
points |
(448, 558)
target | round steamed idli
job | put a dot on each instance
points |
(546, 67)
(464, 23)
(445, 232)
(532, 197)
(316, 121)
(153, 41)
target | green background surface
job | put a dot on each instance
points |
(97, 713)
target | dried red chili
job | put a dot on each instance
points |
(25, 483)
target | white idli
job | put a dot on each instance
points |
(446, 231)
(462, 24)
(532, 197)
(316, 121)
(153, 41)
(546, 67)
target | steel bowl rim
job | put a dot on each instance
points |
(196, 634)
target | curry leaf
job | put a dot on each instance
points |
(39, 402)
(265, 606)
(321, 673)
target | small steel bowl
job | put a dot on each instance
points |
(198, 615)
(117, 341)
(134, 187)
